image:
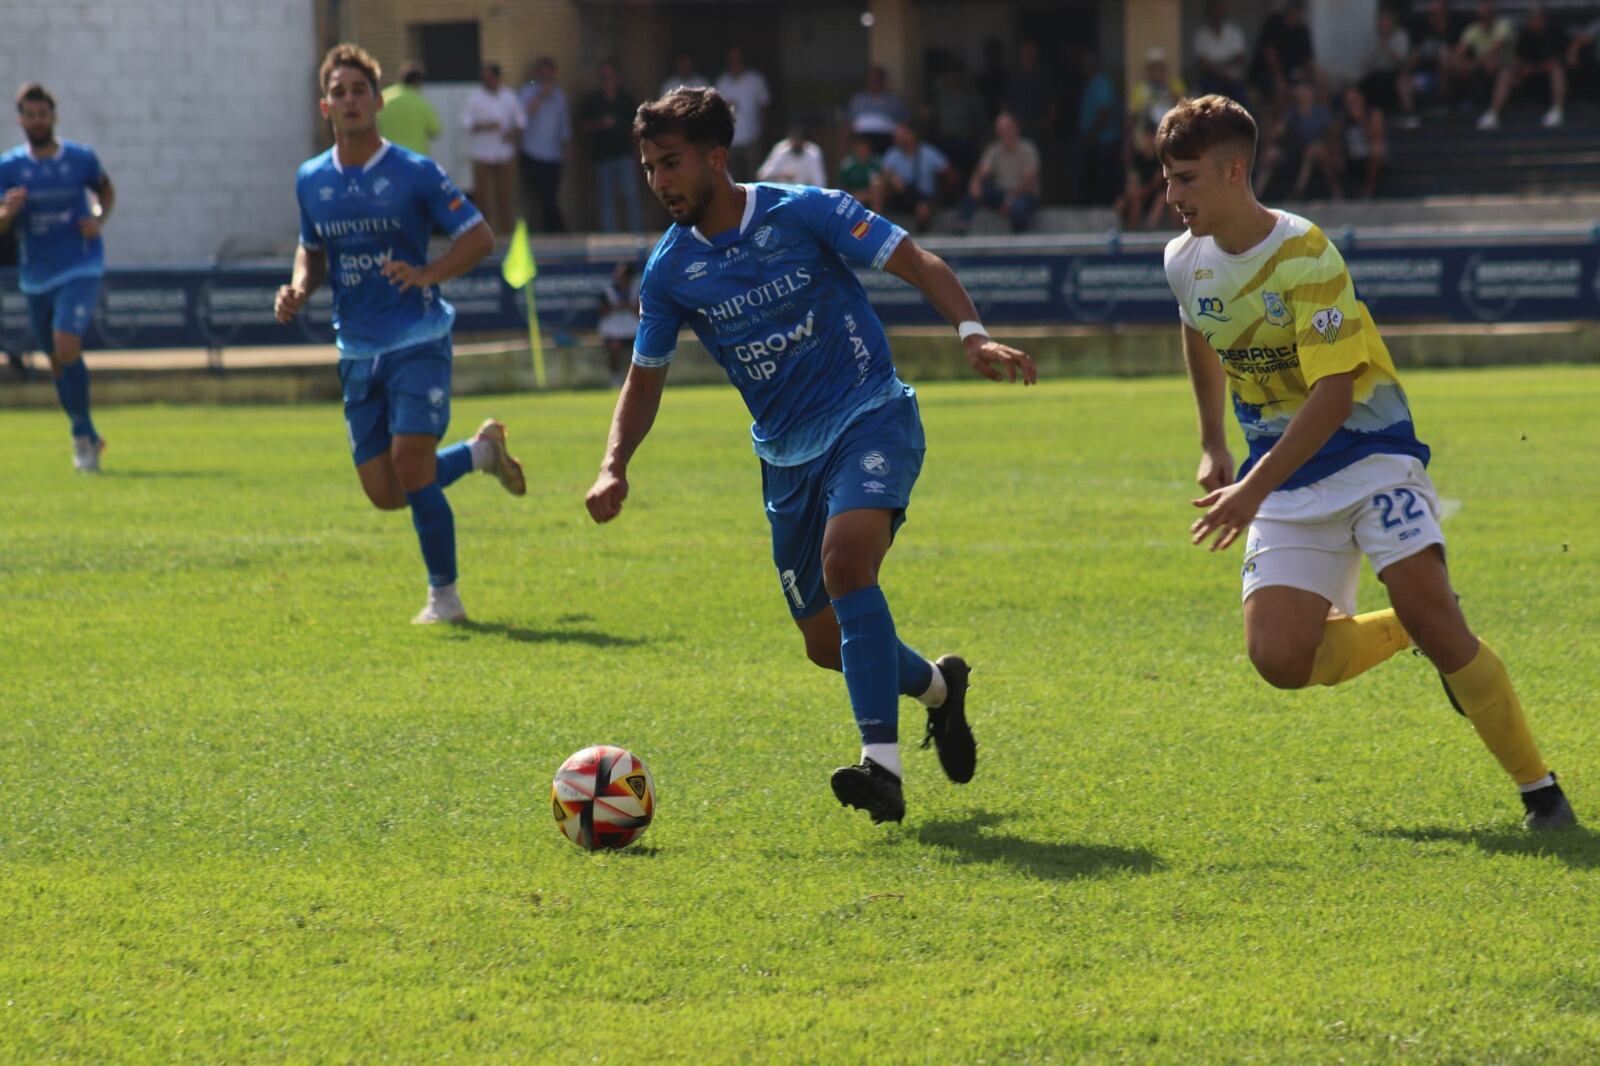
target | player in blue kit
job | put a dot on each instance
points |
(762, 275)
(367, 209)
(45, 191)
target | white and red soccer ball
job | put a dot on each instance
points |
(603, 797)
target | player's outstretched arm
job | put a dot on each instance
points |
(310, 271)
(637, 405)
(466, 252)
(1232, 508)
(1210, 398)
(933, 277)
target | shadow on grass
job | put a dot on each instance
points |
(1059, 862)
(523, 635)
(1578, 847)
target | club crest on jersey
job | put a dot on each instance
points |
(696, 270)
(763, 237)
(875, 464)
(1327, 322)
(1277, 310)
(380, 186)
(1212, 307)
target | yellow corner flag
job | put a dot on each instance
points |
(519, 270)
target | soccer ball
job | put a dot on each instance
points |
(603, 797)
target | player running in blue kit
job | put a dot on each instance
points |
(761, 274)
(45, 188)
(367, 209)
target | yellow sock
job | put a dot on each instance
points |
(1352, 646)
(1483, 689)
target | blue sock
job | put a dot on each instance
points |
(436, 530)
(916, 673)
(72, 387)
(454, 462)
(871, 667)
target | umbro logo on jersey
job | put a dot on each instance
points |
(696, 269)
(325, 193)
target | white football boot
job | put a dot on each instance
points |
(444, 605)
(86, 454)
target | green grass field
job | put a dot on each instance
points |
(247, 812)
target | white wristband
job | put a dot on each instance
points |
(969, 328)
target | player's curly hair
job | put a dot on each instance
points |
(34, 93)
(349, 55)
(702, 116)
(1195, 126)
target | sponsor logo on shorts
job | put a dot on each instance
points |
(436, 397)
(875, 464)
(791, 587)
(1249, 568)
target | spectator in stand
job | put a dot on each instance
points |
(1143, 198)
(407, 118)
(1386, 71)
(1583, 51)
(683, 76)
(1031, 95)
(958, 117)
(1283, 56)
(493, 117)
(874, 111)
(1538, 51)
(1100, 126)
(913, 176)
(1366, 148)
(1007, 177)
(1157, 92)
(608, 117)
(794, 161)
(1221, 52)
(747, 91)
(1479, 54)
(1309, 140)
(1432, 75)
(546, 143)
(859, 171)
(619, 317)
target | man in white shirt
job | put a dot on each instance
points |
(493, 116)
(794, 161)
(1220, 51)
(747, 91)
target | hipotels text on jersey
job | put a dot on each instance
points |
(760, 296)
(345, 227)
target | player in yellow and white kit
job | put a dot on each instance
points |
(1335, 469)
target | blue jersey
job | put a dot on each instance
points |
(53, 252)
(778, 307)
(363, 218)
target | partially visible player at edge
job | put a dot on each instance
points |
(1335, 469)
(45, 189)
(369, 207)
(761, 273)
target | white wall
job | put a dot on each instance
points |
(200, 111)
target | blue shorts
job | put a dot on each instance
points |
(873, 464)
(399, 392)
(67, 308)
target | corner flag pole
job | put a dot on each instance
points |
(519, 269)
(535, 339)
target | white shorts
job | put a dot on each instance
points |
(1312, 538)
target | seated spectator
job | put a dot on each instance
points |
(958, 117)
(912, 177)
(1157, 92)
(874, 112)
(1432, 74)
(1100, 126)
(683, 76)
(1220, 53)
(1479, 54)
(1007, 177)
(1143, 198)
(1031, 95)
(860, 168)
(1386, 70)
(794, 161)
(1308, 140)
(1283, 56)
(1366, 148)
(619, 318)
(1587, 38)
(1538, 51)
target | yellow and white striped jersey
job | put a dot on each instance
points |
(1281, 317)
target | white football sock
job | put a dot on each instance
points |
(482, 453)
(885, 755)
(443, 593)
(1533, 786)
(937, 689)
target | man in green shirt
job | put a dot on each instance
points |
(407, 118)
